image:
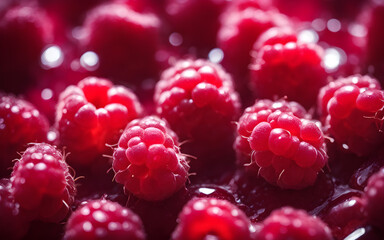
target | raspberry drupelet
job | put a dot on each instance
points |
(148, 161)
(198, 100)
(42, 184)
(289, 223)
(125, 41)
(13, 223)
(280, 142)
(103, 219)
(374, 198)
(293, 70)
(210, 218)
(352, 108)
(93, 114)
(20, 123)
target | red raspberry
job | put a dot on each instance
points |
(24, 32)
(103, 219)
(93, 114)
(42, 184)
(20, 124)
(124, 40)
(374, 198)
(196, 21)
(239, 31)
(198, 100)
(289, 223)
(293, 70)
(210, 218)
(13, 224)
(287, 150)
(274, 36)
(354, 109)
(148, 160)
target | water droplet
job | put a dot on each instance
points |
(175, 39)
(52, 57)
(46, 94)
(90, 61)
(308, 36)
(333, 25)
(216, 55)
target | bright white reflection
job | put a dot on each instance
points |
(356, 234)
(206, 191)
(308, 36)
(46, 94)
(52, 57)
(333, 25)
(89, 60)
(216, 55)
(357, 30)
(333, 58)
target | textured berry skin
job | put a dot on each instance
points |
(285, 149)
(93, 114)
(210, 218)
(13, 224)
(291, 70)
(195, 96)
(289, 223)
(42, 184)
(353, 113)
(124, 40)
(374, 198)
(103, 219)
(239, 31)
(24, 31)
(148, 161)
(20, 123)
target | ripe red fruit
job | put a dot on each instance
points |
(289, 223)
(148, 161)
(374, 198)
(353, 113)
(210, 218)
(286, 150)
(124, 40)
(20, 123)
(103, 219)
(293, 70)
(93, 114)
(13, 223)
(198, 100)
(42, 184)
(24, 32)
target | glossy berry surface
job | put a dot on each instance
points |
(42, 184)
(148, 161)
(103, 219)
(93, 114)
(353, 115)
(291, 70)
(374, 197)
(284, 149)
(286, 223)
(205, 218)
(20, 123)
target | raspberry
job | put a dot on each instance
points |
(293, 70)
(285, 149)
(374, 198)
(195, 31)
(289, 223)
(103, 219)
(274, 36)
(239, 31)
(210, 218)
(24, 31)
(20, 124)
(93, 114)
(198, 100)
(124, 40)
(354, 109)
(148, 161)
(13, 223)
(42, 184)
